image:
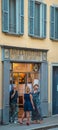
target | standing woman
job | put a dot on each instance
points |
(36, 113)
(28, 105)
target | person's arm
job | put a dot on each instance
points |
(17, 98)
(12, 95)
(31, 98)
(38, 92)
(23, 100)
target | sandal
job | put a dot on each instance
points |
(41, 121)
(20, 122)
(27, 123)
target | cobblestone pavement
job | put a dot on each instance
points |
(54, 129)
(50, 123)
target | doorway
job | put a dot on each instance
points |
(37, 70)
(23, 74)
(55, 91)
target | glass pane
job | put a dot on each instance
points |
(22, 78)
(15, 78)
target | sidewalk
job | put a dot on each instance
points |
(50, 122)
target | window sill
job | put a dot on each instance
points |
(15, 34)
(53, 39)
(37, 37)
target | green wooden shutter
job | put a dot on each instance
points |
(56, 23)
(21, 17)
(37, 20)
(52, 22)
(43, 20)
(31, 9)
(5, 15)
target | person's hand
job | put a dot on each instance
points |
(17, 104)
(33, 107)
(14, 91)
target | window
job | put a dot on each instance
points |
(37, 19)
(13, 16)
(54, 23)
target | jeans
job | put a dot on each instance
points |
(13, 112)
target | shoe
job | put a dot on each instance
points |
(15, 122)
(21, 122)
(27, 123)
(41, 121)
(34, 122)
(11, 120)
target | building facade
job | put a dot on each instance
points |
(28, 52)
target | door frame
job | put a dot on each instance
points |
(5, 92)
(43, 65)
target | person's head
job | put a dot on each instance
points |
(27, 89)
(15, 87)
(35, 87)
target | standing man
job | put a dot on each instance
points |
(14, 104)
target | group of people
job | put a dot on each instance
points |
(31, 105)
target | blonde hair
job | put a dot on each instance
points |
(27, 89)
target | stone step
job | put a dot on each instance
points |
(46, 127)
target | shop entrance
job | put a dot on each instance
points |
(12, 73)
(23, 74)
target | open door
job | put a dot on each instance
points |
(55, 91)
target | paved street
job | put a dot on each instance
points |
(48, 124)
(54, 129)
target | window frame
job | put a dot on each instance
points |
(19, 17)
(42, 11)
(53, 21)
